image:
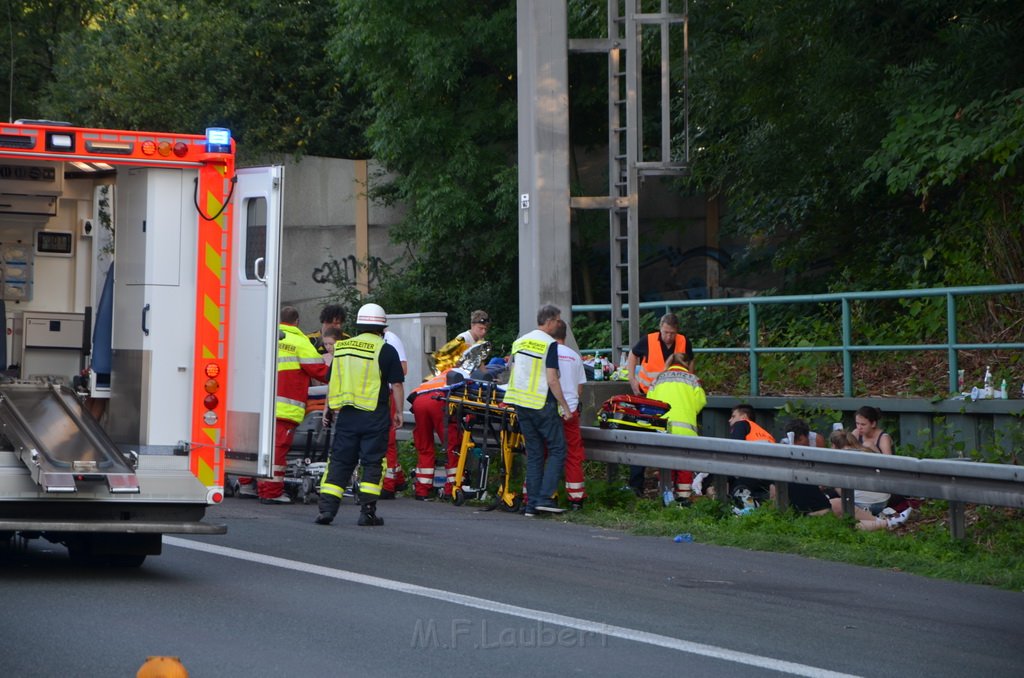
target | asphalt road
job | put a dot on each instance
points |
(444, 590)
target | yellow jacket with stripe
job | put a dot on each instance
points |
(682, 390)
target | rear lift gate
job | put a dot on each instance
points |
(60, 444)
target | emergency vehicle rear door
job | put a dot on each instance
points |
(256, 268)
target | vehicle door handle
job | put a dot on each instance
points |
(145, 313)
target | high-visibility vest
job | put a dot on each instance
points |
(528, 381)
(355, 373)
(682, 390)
(654, 362)
(758, 434)
(297, 361)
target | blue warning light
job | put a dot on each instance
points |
(218, 140)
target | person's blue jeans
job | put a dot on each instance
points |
(542, 429)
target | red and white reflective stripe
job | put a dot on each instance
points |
(451, 473)
(683, 490)
(574, 491)
(425, 476)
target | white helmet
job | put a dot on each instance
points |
(371, 314)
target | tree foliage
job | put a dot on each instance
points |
(884, 137)
(258, 67)
(441, 81)
(879, 139)
(32, 31)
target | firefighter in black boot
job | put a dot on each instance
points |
(363, 367)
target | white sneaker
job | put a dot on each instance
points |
(899, 519)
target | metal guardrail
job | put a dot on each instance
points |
(953, 480)
(956, 481)
(847, 348)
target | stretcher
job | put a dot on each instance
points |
(634, 413)
(489, 433)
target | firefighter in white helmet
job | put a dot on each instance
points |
(363, 367)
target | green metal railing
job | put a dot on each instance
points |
(847, 348)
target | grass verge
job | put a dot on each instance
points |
(992, 554)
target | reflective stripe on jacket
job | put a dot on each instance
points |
(682, 390)
(528, 381)
(355, 373)
(654, 362)
(297, 362)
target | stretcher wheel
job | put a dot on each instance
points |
(460, 498)
(516, 504)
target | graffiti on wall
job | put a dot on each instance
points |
(343, 272)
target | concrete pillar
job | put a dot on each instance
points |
(544, 248)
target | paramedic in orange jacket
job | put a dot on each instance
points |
(743, 427)
(430, 416)
(678, 386)
(297, 362)
(651, 352)
(646, 360)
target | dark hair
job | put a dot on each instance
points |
(332, 312)
(670, 319)
(799, 428)
(331, 332)
(289, 315)
(560, 331)
(546, 313)
(746, 409)
(872, 414)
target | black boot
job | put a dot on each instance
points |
(368, 515)
(328, 507)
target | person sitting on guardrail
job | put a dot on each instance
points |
(682, 390)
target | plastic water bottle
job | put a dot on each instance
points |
(1003, 393)
(989, 391)
(668, 497)
(598, 369)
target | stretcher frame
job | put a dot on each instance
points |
(480, 410)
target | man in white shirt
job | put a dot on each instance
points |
(571, 376)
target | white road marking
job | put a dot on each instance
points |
(540, 616)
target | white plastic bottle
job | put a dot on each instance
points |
(1003, 393)
(989, 390)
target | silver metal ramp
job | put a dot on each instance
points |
(60, 443)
